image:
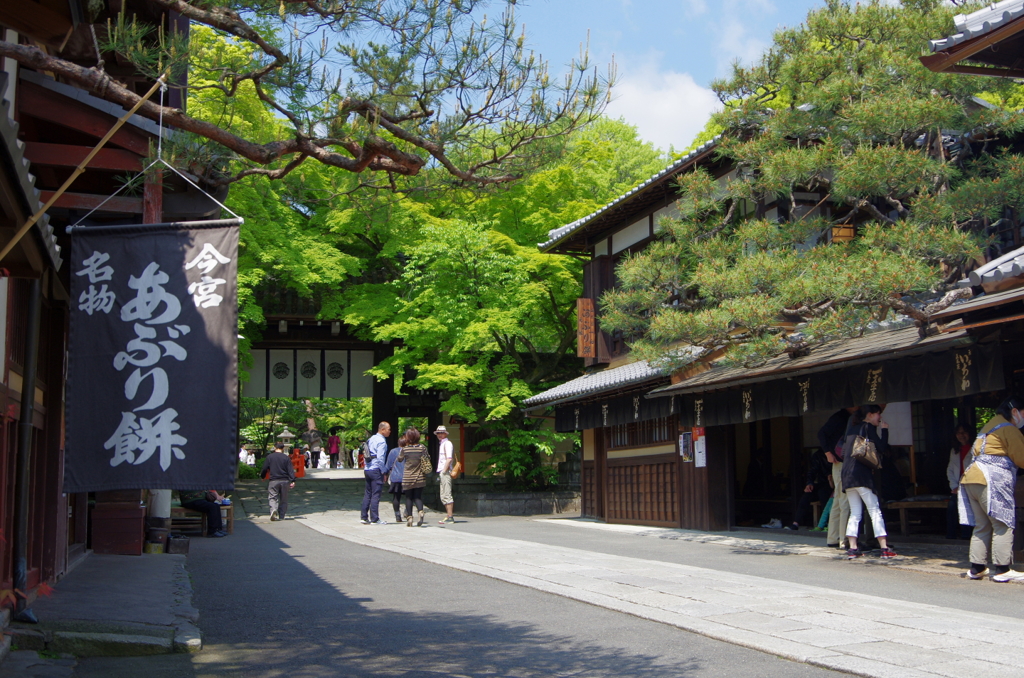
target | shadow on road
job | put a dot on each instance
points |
(285, 601)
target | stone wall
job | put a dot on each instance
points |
(517, 503)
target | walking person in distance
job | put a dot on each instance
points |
(413, 478)
(445, 455)
(279, 469)
(858, 480)
(373, 474)
(396, 471)
(987, 488)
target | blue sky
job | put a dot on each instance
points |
(666, 51)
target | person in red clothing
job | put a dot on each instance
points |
(299, 462)
(333, 448)
(958, 460)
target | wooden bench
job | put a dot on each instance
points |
(904, 505)
(190, 520)
(816, 512)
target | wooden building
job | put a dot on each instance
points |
(46, 128)
(714, 447)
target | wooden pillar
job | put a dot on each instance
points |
(153, 198)
(797, 463)
(56, 537)
(385, 404)
(601, 472)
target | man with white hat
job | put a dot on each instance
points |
(444, 468)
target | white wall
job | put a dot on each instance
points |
(631, 235)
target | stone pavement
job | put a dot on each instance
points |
(856, 633)
(947, 559)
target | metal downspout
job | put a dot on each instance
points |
(23, 475)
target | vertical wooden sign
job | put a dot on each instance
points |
(586, 328)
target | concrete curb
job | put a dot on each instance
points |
(188, 638)
(108, 644)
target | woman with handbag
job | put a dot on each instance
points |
(416, 468)
(858, 475)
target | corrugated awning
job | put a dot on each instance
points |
(13, 150)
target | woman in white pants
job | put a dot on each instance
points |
(859, 481)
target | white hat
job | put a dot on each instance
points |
(441, 429)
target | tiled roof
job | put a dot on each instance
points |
(15, 151)
(880, 345)
(979, 23)
(557, 235)
(979, 302)
(1006, 266)
(611, 379)
(597, 382)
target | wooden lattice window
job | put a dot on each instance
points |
(643, 433)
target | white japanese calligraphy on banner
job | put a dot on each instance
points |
(204, 291)
(93, 299)
(137, 439)
(152, 378)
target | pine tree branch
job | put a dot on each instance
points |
(862, 204)
(903, 211)
(718, 229)
(374, 154)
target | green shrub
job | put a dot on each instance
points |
(246, 472)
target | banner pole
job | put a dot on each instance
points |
(81, 168)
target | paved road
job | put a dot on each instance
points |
(282, 599)
(278, 599)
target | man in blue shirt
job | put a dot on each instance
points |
(373, 473)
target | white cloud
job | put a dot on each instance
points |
(735, 24)
(668, 108)
(736, 43)
(694, 8)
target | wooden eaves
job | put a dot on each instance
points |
(948, 61)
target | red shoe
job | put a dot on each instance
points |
(887, 554)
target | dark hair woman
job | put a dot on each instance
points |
(396, 473)
(959, 460)
(413, 480)
(987, 488)
(859, 481)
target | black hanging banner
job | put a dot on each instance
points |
(152, 391)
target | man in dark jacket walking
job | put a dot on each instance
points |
(279, 469)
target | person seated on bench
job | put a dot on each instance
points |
(208, 502)
(818, 487)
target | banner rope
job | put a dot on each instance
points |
(159, 159)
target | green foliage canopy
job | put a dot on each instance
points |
(839, 107)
